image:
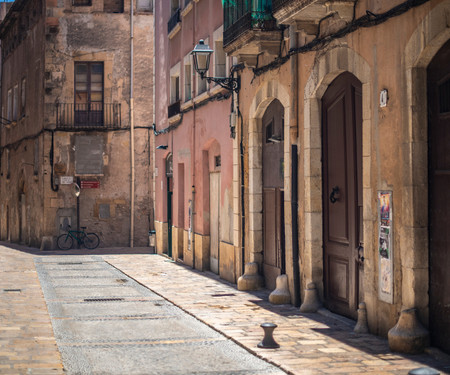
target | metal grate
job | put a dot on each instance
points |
(223, 295)
(102, 299)
(12, 290)
(68, 263)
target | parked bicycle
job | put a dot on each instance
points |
(89, 240)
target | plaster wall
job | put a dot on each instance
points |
(389, 56)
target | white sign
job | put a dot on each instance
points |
(66, 180)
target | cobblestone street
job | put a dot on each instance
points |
(124, 311)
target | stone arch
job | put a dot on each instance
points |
(327, 67)
(427, 39)
(268, 91)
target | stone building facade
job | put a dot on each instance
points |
(77, 109)
(361, 93)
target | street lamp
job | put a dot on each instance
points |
(202, 56)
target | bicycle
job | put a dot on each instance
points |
(89, 240)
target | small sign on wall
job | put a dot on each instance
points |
(385, 250)
(90, 184)
(66, 180)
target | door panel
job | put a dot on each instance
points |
(439, 196)
(342, 189)
(214, 201)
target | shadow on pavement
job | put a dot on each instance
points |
(98, 251)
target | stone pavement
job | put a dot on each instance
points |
(310, 343)
(27, 344)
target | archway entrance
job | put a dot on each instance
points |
(438, 74)
(342, 194)
(273, 198)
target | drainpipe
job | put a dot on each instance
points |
(193, 156)
(132, 125)
(293, 129)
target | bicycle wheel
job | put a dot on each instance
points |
(65, 241)
(91, 241)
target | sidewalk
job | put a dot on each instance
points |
(310, 343)
(27, 344)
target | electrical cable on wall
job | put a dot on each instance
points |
(368, 20)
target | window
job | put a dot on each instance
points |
(174, 89)
(201, 84)
(15, 103)
(23, 97)
(81, 3)
(174, 6)
(89, 93)
(10, 105)
(8, 164)
(113, 6)
(175, 84)
(144, 5)
(187, 79)
(219, 59)
(36, 157)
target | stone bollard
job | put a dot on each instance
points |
(281, 293)
(250, 280)
(268, 342)
(361, 324)
(408, 335)
(424, 371)
(311, 303)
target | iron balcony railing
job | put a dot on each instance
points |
(174, 19)
(174, 109)
(244, 15)
(88, 116)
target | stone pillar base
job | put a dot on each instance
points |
(408, 335)
(311, 303)
(47, 243)
(361, 324)
(251, 279)
(281, 294)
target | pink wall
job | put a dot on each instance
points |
(201, 130)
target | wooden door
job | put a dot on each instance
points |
(169, 215)
(439, 196)
(214, 214)
(273, 182)
(342, 195)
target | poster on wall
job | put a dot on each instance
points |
(385, 254)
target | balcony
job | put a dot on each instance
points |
(86, 116)
(174, 109)
(249, 29)
(174, 20)
(306, 14)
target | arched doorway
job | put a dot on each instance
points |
(342, 194)
(438, 75)
(273, 192)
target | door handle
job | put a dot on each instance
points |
(334, 196)
(361, 254)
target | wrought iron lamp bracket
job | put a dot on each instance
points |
(229, 83)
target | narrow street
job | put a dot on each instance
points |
(122, 311)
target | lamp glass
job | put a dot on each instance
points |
(201, 55)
